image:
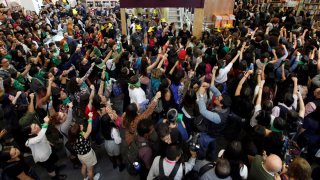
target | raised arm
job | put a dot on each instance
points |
(174, 67)
(31, 103)
(102, 82)
(47, 96)
(153, 65)
(26, 70)
(259, 98)
(295, 85)
(302, 37)
(243, 79)
(214, 70)
(211, 116)
(41, 134)
(165, 56)
(236, 57)
(294, 41)
(302, 108)
(312, 54)
(91, 97)
(283, 74)
(16, 97)
(89, 128)
(151, 106)
(256, 89)
(290, 37)
(85, 77)
(113, 115)
(107, 57)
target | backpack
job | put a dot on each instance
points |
(133, 159)
(116, 89)
(172, 174)
(201, 124)
(196, 175)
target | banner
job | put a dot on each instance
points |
(161, 3)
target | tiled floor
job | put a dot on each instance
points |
(104, 167)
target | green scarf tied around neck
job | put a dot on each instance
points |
(66, 101)
(273, 129)
(136, 85)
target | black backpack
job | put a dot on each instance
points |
(173, 173)
(196, 175)
(133, 157)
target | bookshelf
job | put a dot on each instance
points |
(312, 7)
(101, 3)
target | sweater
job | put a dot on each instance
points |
(130, 130)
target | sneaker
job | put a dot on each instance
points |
(87, 178)
(96, 176)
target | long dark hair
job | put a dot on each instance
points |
(106, 125)
(131, 114)
(73, 133)
(73, 86)
(233, 154)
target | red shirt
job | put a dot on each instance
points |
(94, 112)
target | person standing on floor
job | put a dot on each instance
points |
(82, 146)
(41, 149)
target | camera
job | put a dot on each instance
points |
(194, 144)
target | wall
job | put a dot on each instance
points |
(217, 7)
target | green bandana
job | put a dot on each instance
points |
(66, 47)
(273, 129)
(106, 76)
(21, 79)
(44, 125)
(97, 52)
(119, 48)
(18, 86)
(55, 60)
(8, 56)
(136, 85)
(66, 100)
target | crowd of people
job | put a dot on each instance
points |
(238, 103)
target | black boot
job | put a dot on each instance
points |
(122, 166)
(114, 162)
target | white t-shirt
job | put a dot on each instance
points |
(223, 74)
(110, 65)
(40, 147)
(276, 109)
(137, 95)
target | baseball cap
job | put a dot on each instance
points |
(138, 27)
